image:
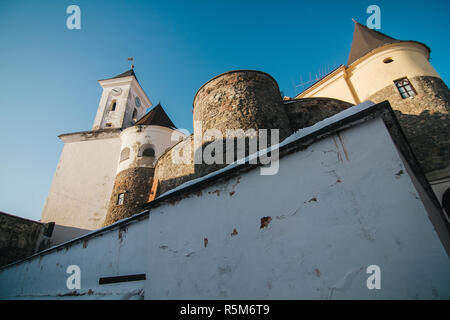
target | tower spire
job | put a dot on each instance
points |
(366, 40)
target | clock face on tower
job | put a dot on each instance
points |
(138, 102)
(116, 91)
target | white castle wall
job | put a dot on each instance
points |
(336, 208)
(342, 204)
(110, 253)
(82, 184)
(160, 138)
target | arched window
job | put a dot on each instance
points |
(149, 152)
(113, 105)
(134, 115)
(120, 199)
(125, 154)
(146, 150)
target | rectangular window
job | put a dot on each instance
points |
(120, 198)
(405, 88)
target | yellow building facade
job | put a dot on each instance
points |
(383, 68)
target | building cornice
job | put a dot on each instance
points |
(90, 135)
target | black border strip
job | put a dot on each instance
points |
(117, 279)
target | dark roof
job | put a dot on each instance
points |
(156, 117)
(366, 40)
(126, 74)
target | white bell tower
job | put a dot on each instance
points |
(123, 102)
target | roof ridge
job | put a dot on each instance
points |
(156, 117)
(127, 73)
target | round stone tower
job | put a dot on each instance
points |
(141, 146)
(235, 100)
(241, 99)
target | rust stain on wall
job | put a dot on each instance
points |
(198, 193)
(343, 146)
(338, 152)
(122, 230)
(265, 222)
(217, 192)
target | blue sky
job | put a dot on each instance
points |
(48, 81)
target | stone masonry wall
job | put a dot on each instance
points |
(248, 99)
(241, 99)
(424, 119)
(20, 238)
(168, 174)
(306, 112)
(136, 184)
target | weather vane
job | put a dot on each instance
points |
(132, 63)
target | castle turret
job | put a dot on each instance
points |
(141, 145)
(382, 68)
(242, 100)
(236, 100)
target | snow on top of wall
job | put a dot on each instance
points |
(293, 137)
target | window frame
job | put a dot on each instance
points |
(406, 90)
(120, 199)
